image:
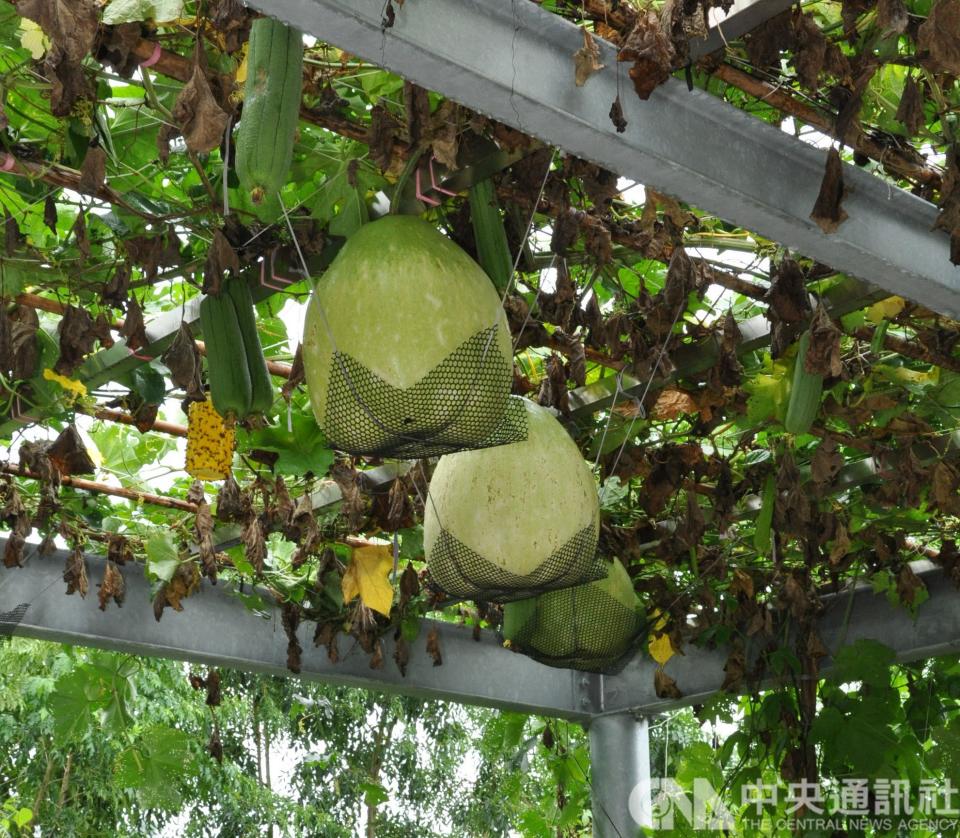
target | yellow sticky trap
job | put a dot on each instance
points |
(210, 443)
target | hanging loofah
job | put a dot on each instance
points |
(505, 523)
(406, 347)
(210, 443)
(590, 627)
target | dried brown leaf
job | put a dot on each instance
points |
(198, 114)
(586, 60)
(433, 646)
(75, 572)
(112, 586)
(910, 109)
(221, 257)
(939, 35)
(70, 24)
(651, 52)
(93, 172)
(183, 360)
(665, 686)
(827, 212)
(134, 331)
(823, 353)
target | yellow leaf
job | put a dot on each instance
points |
(33, 39)
(660, 647)
(885, 310)
(76, 387)
(242, 69)
(367, 576)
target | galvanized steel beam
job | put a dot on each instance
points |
(216, 629)
(514, 61)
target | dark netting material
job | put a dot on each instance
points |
(462, 403)
(587, 629)
(458, 571)
(9, 620)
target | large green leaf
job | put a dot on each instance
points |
(300, 451)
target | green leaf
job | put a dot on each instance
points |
(866, 660)
(22, 816)
(128, 11)
(301, 451)
(162, 555)
(156, 767)
(374, 794)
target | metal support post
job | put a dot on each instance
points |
(620, 774)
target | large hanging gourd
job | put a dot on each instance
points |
(505, 523)
(406, 348)
(588, 627)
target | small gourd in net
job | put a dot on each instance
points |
(406, 347)
(210, 442)
(589, 627)
(508, 522)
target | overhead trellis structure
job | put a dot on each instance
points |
(669, 362)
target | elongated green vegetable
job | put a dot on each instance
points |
(493, 251)
(261, 387)
(761, 535)
(230, 388)
(805, 392)
(271, 108)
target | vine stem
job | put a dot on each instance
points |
(104, 489)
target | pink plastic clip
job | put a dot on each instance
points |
(433, 182)
(8, 163)
(139, 357)
(154, 56)
(275, 283)
(432, 202)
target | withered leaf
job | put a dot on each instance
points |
(75, 573)
(326, 635)
(827, 212)
(134, 330)
(23, 343)
(665, 686)
(673, 403)
(949, 217)
(417, 105)
(77, 338)
(810, 52)
(296, 377)
(651, 52)
(13, 551)
(381, 135)
(69, 82)
(203, 524)
(11, 233)
(566, 228)
(616, 116)
(939, 35)
(290, 619)
(765, 43)
(115, 289)
(212, 683)
(909, 585)
(199, 115)
(115, 47)
(910, 109)
(823, 353)
(401, 653)
(254, 544)
(376, 659)
(734, 670)
(183, 360)
(70, 24)
(892, 16)
(119, 550)
(221, 257)
(50, 213)
(586, 60)
(352, 507)
(945, 488)
(445, 134)
(215, 746)
(826, 462)
(69, 455)
(112, 586)
(433, 646)
(409, 585)
(79, 232)
(230, 503)
(93, 172)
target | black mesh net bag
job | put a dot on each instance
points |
(506, 523)
(461, 404)
(594, 627)
(460, 572)
(406, 348)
